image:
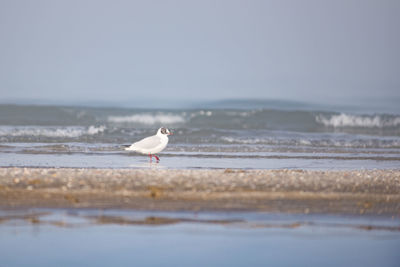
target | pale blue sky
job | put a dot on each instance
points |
(98, 50)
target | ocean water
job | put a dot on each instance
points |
(247, 134)
(147, 238)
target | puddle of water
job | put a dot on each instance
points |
(41, 237)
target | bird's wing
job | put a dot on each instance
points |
(148, 142)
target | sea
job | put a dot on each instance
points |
(235, 134)
(244, 134)
(84, 237)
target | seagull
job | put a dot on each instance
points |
(152, 144)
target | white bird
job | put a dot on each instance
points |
(152, 144)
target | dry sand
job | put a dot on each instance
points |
(345, 192)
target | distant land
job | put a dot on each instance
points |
(379, 105)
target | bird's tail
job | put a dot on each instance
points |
(126, 147)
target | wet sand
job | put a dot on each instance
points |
(372, 192)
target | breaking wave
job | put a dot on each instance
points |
(148, 119)
(347, 120)
(319, 142)
(51, 132)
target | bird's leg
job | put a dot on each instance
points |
(150, 157)
(157, 158)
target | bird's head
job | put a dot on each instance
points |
(164, 131)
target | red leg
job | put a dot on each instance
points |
(157, 158)
(150, 157)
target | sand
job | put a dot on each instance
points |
(374, 192)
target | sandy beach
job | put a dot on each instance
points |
(371, 192)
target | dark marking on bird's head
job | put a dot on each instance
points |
(164, 131)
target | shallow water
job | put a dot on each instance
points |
(40, 237)
(196, 161)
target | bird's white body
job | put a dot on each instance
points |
(152, 144)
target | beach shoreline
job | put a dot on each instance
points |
(357, 192)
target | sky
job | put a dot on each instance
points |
(134, 51)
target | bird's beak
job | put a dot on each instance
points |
(171, 133)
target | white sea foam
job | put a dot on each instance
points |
(51, 131)
(347, 120)
(247, 141)
(354, 143)
(206, 113)
(148, 119)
